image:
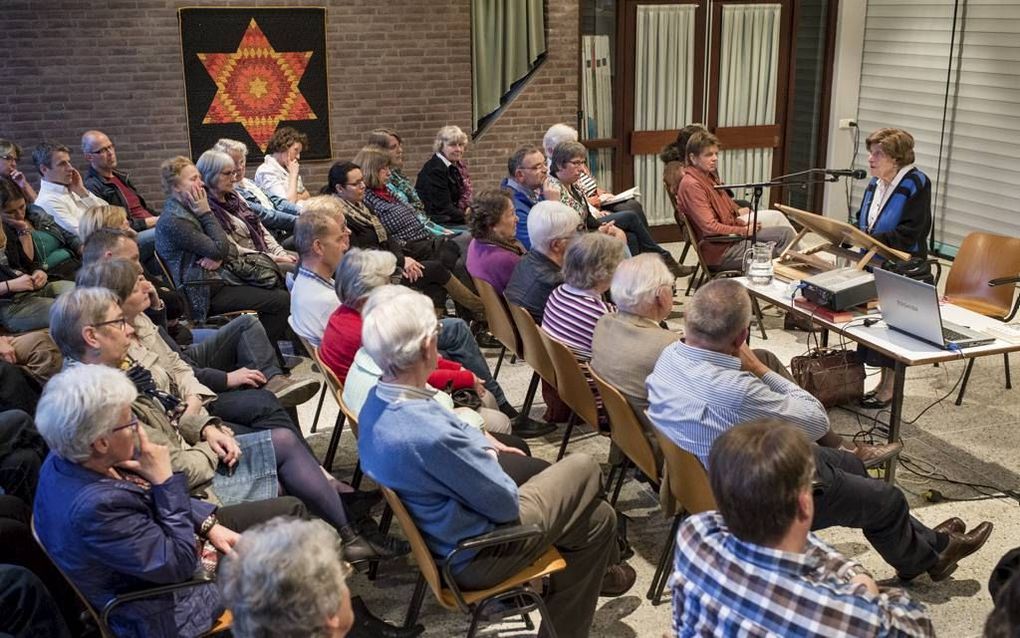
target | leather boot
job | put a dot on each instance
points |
(367, 625)
(358, 548)
(462, 295)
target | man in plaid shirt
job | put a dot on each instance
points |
(753, 568)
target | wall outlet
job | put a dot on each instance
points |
(847, 124)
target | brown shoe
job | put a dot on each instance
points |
(872, 455)
(954, 525)
(618, 580)
(292, 391)
(960, 546)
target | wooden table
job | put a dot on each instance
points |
(903, 349)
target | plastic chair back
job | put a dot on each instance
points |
(981, 258)
(688, 480)
(571, 382)
(501, 324)
(535, 352)
(627, 431)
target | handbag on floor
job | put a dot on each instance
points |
(833, 376)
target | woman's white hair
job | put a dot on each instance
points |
(79, 405)
(360, 272)
(448, 135)
(637, 281)
(227, 145)
(284, 578)
(74, 310)
(211, 164)
(557, 134)
(396, 323)
(591, 259)
(548, 221)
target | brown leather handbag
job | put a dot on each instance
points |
(832, 376)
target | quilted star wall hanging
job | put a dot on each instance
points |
(248, 72)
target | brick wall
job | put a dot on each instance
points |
(405, 64)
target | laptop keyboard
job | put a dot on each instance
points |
(952, 335)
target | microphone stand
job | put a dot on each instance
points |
(758, 189)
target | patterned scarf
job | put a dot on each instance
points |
(362, 216)
(233, 206)
(465, 185)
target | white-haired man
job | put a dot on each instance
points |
(710, 382)
(448, 476)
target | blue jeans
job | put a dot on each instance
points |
(458, 344)
(242, 343)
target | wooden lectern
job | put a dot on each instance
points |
(794, 263)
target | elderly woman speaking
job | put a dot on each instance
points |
(114, 516)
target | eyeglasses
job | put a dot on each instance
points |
(102, 151)
(120, 320)
(578, 162)
(360, 182)
(229, 173)
(9, 158)
(536, 167)
(133, 424)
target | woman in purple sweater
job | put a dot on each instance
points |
(495, 250)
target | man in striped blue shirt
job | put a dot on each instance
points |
(705, 385)
(753, 568)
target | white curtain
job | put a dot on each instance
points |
(748, 80)
(663, 92)
(597, 104)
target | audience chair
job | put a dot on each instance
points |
(534, 352)
(572, 386)
(513, 594)
(629, 435)
(322, 393)
(708, 273)
(685, 235)
(337, 389)
(213, 321)
(689, 486)
(983, 279)
(101, 617)
(502, 326)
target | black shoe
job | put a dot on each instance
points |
(359, 548)
(367, 625)
(527, 428)
(486, 340)
(359, 504)
(509, 410)
(871, 402)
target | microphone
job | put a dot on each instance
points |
(855, 173)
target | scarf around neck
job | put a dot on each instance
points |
(233, 206)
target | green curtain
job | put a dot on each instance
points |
(507, 38)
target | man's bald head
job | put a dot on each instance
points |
(717, 314)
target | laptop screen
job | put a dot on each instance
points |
(909, 305)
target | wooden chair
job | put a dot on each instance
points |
(514, 591)
(983, 279)
(688, 483)
(337, 389)
(504, 328)
(629, 435)
(534, 350)
(708, 273)
(322, 393)
(102, 616)
(572, 386)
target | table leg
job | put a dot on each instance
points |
(825, 337)
(896, 412)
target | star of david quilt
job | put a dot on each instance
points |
(248, 72)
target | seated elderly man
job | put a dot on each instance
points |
(704, 386)
(115, 518)
(551, 226)
(755, 568)
(527, 171)
(447, 474)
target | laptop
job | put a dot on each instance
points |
(912, 307)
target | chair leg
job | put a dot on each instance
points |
(530, 626)
(619, 482)
(566, 436)
(358, 474)
(758, 316)
(547, 626)
(499, 361)
(417, 598)
(661, 571)
(683, 253)
(1005, 363)
(318, 408)
(693, 278)
(384, 528)
(334, 441)
(963, 385)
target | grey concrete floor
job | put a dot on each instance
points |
(976, 442)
